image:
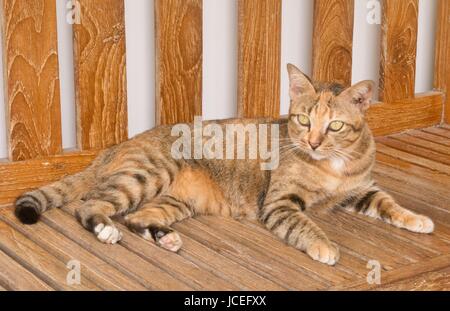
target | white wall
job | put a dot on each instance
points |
(220, 58)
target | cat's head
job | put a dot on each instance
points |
(325, 119)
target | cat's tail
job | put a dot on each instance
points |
(30, 205)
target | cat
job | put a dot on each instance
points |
(327, 152)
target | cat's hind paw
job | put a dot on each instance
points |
(108, 234)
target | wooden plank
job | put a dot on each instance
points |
(438, 132)
(403, 273)
(438, 280)
(421, 245)
(430, 137)
(418, 112)
(178, 60)
(144, 272)
(414, 159)
(349, 262)
(427, 175)
(259, 237)
(255, 260)
(15, 277)
(100, 74)
(398, 49)
(18, 177)
(38, 261)
(93, 268)
(333, 41)
(372, 233)
(173, 263)
(416, 150)
(419, 142)
(259, 58)
(32, 78)
(442, 60)
(366, 249)
(403, 187)
(213, 261)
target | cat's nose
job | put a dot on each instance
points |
(314, 144)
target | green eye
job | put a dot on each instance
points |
(303, 120)
(336, 126)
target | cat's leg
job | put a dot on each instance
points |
(95, 215)
(377, 203)
(283, 216)
(120, 193)
(153, 221)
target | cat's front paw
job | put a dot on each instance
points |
(418, 223)
(324, 251)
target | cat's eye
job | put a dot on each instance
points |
(303, 120)
(336, 126)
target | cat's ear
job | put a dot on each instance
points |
(360, 94)
(299, 83)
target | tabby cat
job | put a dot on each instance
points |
(326, 156)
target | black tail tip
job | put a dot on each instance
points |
(27, 213)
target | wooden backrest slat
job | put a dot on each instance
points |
(398, 49)
(31, 71)
(333, 41)
(442, 67)
(259, 58)
(100, 74)
(179, 55)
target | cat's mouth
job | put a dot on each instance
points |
(316, 154)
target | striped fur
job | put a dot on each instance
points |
(320, 167)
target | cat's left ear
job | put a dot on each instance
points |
(360, 94)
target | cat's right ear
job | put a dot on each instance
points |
(299, 83)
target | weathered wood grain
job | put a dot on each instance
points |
(18, 177)
(442, 65)
(32, 78)
(416, 150)
(15, 277)
(38, 260)
(93, 268)
(419, 142)
(438, 132)
(239, 251)
(398, 49)
(100, 74)
(291, 256)
(333, 41)
(178, 60)
(132, 265)
(173, 263)
(404, 273)
(430, 137)
(419, 111)
(259, 58)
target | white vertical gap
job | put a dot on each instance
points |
(366, 44)
(3, 135)
(426, 37)
(220, 50)
(140, 49)
(66, 76)
(296, 42)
